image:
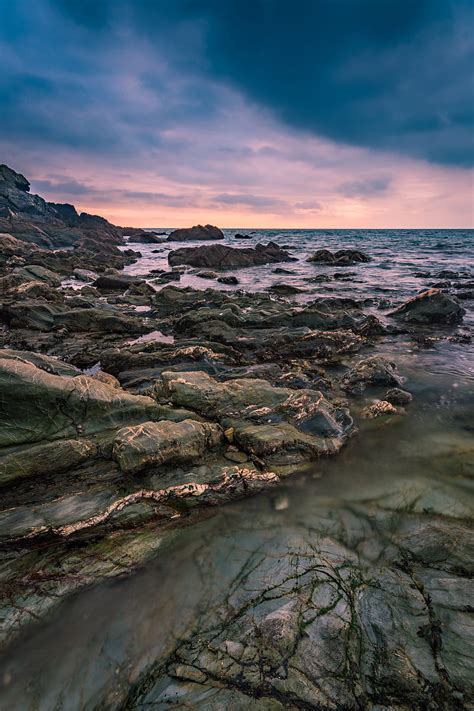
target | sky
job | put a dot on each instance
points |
(243, 113)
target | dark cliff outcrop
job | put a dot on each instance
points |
(31, 219)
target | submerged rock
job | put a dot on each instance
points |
(207, 275)
(285, 289)
(431, 306)
(379, 409)
(196, 233)
(397, 396)
(232, 280)
(223, 257)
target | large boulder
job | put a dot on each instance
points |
(163, 443)
(223, 257)
(431, 306)
(37, 406)
(195, 234)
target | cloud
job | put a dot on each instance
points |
(159, 199)
(114, 76)
(64, 186)
(369, 187)
(258, 201)
(245, 110)
(308, 205)
(386, 75)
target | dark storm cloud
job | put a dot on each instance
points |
(387, 75)
(395, 75)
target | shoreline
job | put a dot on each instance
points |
(237, 391)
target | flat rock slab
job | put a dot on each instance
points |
(163, 442)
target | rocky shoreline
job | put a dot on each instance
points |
(132, 407)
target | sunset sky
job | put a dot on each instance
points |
(261, 113)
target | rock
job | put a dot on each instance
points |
(37, 406)
(273, 441)
(31, 219)
(10, 245)
(157, 443)
(370, 372)
(43, 459)
(396, 396)
(319, 278)
(231, 280)
(113, 282)
(38, 273)
(235, 455)
(341, 258)
(378, 409)
(48, 316)
(196, 233)
(166, 277)
(301, 420)
(239, 236)
(223, 257)
(207, 275)
(141, 288)
(144, 237)
(285, 289)
(84, 274)
(431, 306)
(108, 379)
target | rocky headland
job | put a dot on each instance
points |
(132, 407)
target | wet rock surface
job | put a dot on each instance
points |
(131, 409)
(432, 306)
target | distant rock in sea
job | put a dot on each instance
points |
(221, 256)
(195, 234)
(341, 258)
